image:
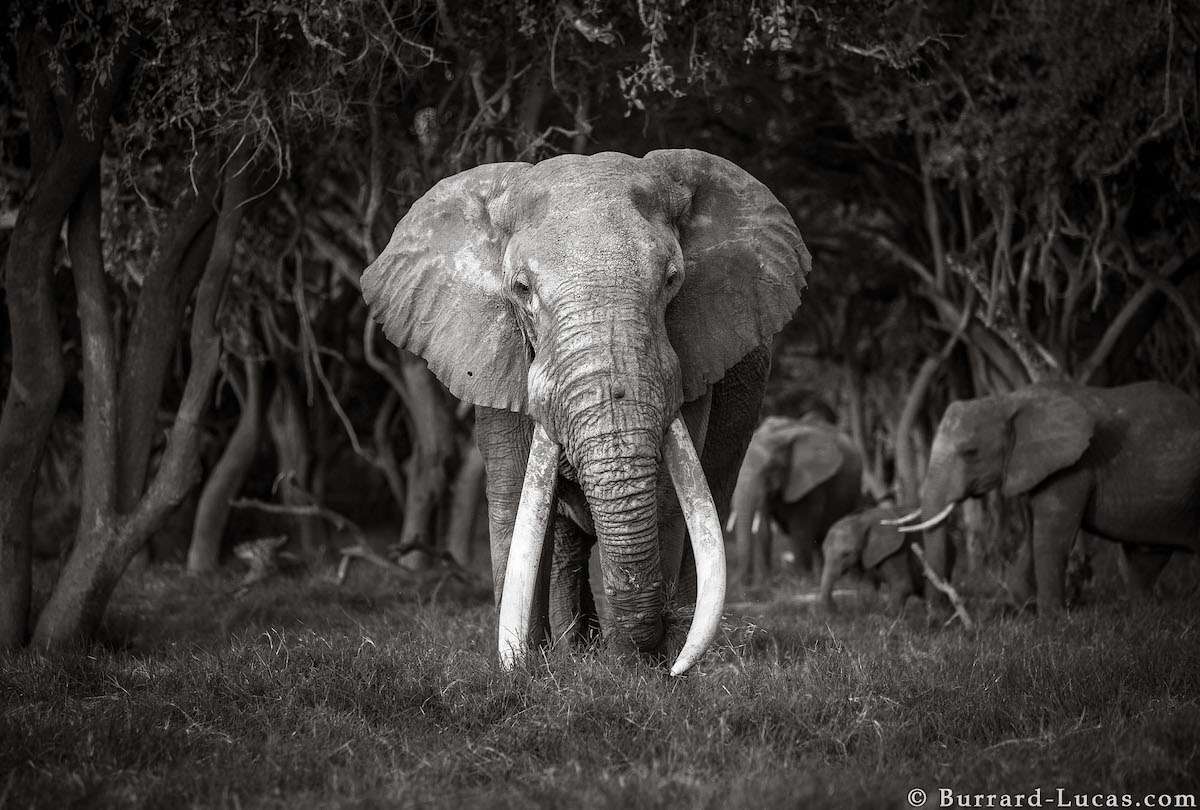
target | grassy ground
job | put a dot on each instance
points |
(305, 694)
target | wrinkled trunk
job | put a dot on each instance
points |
(618, 395)
(621, 487)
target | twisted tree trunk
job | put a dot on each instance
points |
(66, 140)
(227, 476)
(177, 266)
(108, 537)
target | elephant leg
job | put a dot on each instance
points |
(896, 573)
(1143, 564)
(677, 562)
(764, 547)
(572, 609)
(1020, 580)
(1056, 510)
(733, 415)
(504, 439)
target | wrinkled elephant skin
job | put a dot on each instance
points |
(1122, 463)
(612, 302)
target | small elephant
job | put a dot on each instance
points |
(610, 318)
(1122, 463)
(801, 473)
(872, 541)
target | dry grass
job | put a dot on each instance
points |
(303, 694)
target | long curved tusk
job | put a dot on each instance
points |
(525, 551)
(708, 545)
(900, 521)
(756, 522)
(929, 524)
(729, 524)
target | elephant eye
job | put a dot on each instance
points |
(970, 452)
(673, 277)
(520, 288)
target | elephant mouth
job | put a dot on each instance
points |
(535, 512)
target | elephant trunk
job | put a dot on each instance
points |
(619, 478)
(829, 576)
(939, 495)
(749, 508)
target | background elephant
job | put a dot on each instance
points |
(586, 305)
(801, 473)
(1122, 463)
(881, 551)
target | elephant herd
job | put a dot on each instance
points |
(1122, 464)
(611, 318)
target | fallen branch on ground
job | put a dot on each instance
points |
(960, 607)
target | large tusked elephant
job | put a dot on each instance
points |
(872, 541)
(1122, 463)
(803, 474)
(609, 317)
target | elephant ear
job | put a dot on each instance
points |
(815, 459)
(744, 264)
(436, 288)
(1050, 432)
(882, 542)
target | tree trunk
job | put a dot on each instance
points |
(153, 333)
(63, 159)
(464, 505)
(107, 543)
(385, 451)
(289, 432)
(227, 476)
(433, 448)
(908, 477)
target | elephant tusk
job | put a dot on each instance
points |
(729, 524)
(929, 524)
(708, 545)
(900, 521)
(756, 523)
(525, 551)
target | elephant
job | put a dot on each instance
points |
(1121, 463)
(801, 473)
(610, 319)
(871, 540)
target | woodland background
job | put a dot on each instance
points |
(993, 192)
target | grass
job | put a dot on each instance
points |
(305, 694)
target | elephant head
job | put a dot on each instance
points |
(1013, 441)
(861, 539)
(595, 295)
(786, 461)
